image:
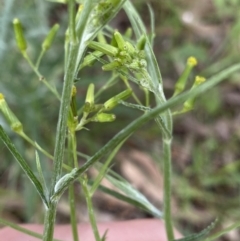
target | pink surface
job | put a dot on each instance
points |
(134, 230)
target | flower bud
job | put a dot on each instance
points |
(141, 54)
(128, 33)
(104, 48)
(199, 80)
(103, 117)
(189, 104)
(15, 124)
(21, 42)
(50, 37)
(101, 38)
(114, 42)
(111, 103)
(141, 42)
(90, 94)
(143, 63)
(89, 101)
(191, 61)
(73, 103)
(130, 49)
(181, 83)
(91, 58)
(120, 41)
(112, 66)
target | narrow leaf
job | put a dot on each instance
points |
(41, 176)
(201, 235)
(24, 165)
(223, 231)
(155, 212)
(134, 195)
(104, 168)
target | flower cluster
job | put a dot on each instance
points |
(124, 55)
(98, 111)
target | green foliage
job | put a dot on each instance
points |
(32, 84)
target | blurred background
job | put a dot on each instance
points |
(206, 153)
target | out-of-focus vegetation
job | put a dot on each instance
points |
(206, 156)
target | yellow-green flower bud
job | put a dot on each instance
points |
(73, 101)
(141, 54)
(128, 33)
(141, 42)
(74, 91)
(111, 66)
(111, 103)
(104, 48)
(199, 80)
(189, 104)
(135, 65)
(87, 108)
(21, 42)
(191, 61)
(125, 56)
(143, 63)
(50, 37)
(114, 42)
(101, 38)
(120, 41)
(90, 94)
(91, 58)
(103, 117)
(13, 121)
(89, 101)
(130, 49)
(181, 83)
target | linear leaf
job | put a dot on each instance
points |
(155, 212)
(223, 231)
(24, 165)
(201, 235)
(133, 195)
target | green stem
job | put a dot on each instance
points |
(167, 188)
(104, 169)
(90, 209)
(72, 15)
(40, 58)
(63, 116)
(60, 139)
(71, 199)
(72, 159)
(28, 139)
(126, 82)
(147, 97)
(49, 221)
(41, 78)
(106, 85)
